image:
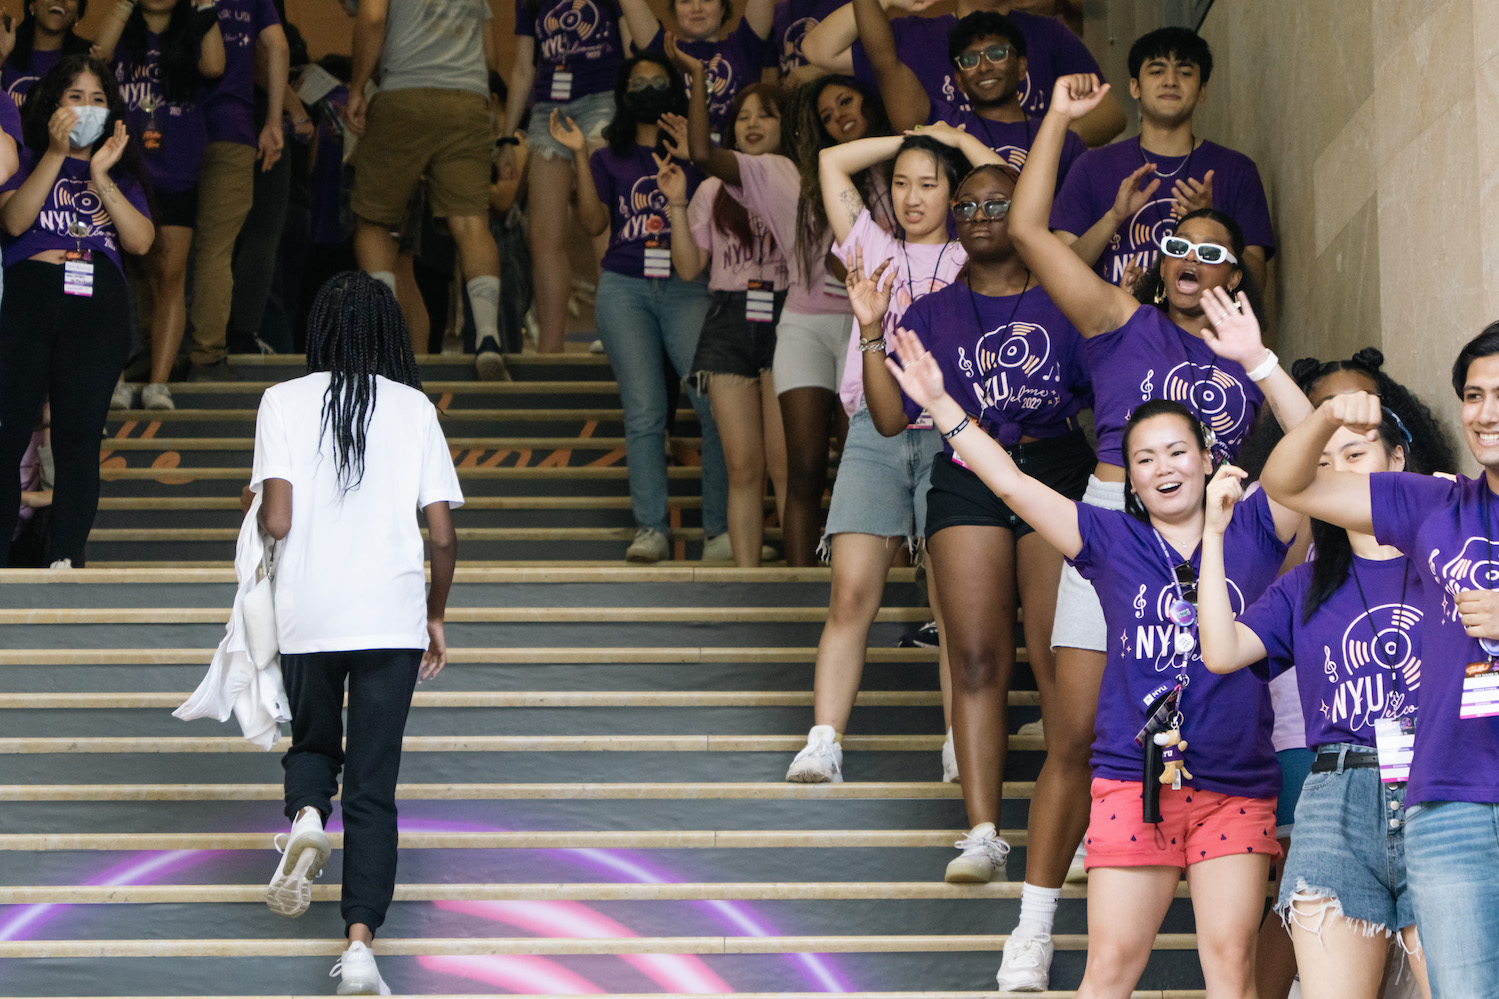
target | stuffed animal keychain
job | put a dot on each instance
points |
(1174, 767)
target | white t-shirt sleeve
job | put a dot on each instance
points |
(439, 478)
(272, 450)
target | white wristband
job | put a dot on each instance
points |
(1262, 371)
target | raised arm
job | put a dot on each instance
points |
(641, 21)
(1092, 304)
(19, 208)
(1101, 124)
(1294, 475)
(830, 44)
(592, 213)
(1227, 645)
(705, 155)
(836, 166)
(1053, 515)
(869, 284)
(906, 100)
(107, 37)
(1129, 199)
(133, 226)
(761, 16)
(687, 257)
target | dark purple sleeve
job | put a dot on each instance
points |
(1250, 208)
(1072, 148)
(266, 16)
(918, 321)
(780, 23)
(10, 119)
(1066, 51)
(22, 171)
(603, 180)
(657, 42)
(1272, 618)
(750, 49)
(525, 19)
(1093, 557)
(1074, 210)
(1400, 501)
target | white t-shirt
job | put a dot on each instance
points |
(350, 572)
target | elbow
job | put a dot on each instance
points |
(139, 244)
(211, 69)
(276, 523)
(444, 547)
(1216, 662)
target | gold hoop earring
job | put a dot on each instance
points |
(1160, 293)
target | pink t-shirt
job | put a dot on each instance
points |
(770, 186)
(733, 264)
(920, 269)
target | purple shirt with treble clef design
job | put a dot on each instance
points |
(71, 198)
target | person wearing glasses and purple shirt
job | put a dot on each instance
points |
(1156, 344)
(1120, 200)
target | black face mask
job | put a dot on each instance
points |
(649, 105)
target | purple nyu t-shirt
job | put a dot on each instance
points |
(1226, 719)
(71, 198)
(638, 216)
(1012, 140)
(1014, 361)
(728, 66)
(18, 82)
(1051, 51)
(229, 109)
(177, 159)
(580, 37)
(792, 20)
(1091, 187)
(1150, 357)
(1355, 662)
(1446, 528)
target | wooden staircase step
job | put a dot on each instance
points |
(719, 790)
(540, 656)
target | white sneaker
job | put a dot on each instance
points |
(157, 396)
(1027, 963)
(303, 855)
(949, 761)
(597, 347)
(718, 549)
(123, 396)
(1077, 874)
(983, 854)
(358, 974)
(62, 563)
(820, 761)
(650, 545)
(1032, 729)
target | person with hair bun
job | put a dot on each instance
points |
(344, 455)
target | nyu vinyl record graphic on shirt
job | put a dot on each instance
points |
(568, 24)
(1025, 346)
(1381, 636)
(1218, 399)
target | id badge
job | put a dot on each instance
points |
(151, 139)
(78, 273)
(923, 422)
(657, 261)
(1395, 739)
(1480, 691)
(562, 85)
(760, 301)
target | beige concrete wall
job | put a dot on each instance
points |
(1375, 124)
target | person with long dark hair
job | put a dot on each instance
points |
(1163, 342)
(1345, 622)
(346, 453)
(652, 311)
(76, 204)
(163, 51)
(42, 38)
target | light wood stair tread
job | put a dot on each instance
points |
(538, 655)
(591, 791)
(645, 614)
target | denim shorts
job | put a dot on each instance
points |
(730, 343)
(590, 113)
(1349, 844)
(882, 482)
(959, 498)
(1079, 623)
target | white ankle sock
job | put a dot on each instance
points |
(1038, 908)
(484, 298)
(979, 829)
(387, 278)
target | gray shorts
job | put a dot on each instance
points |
(882, 481)
(810, 350)
(590, 113)
(1079, 622)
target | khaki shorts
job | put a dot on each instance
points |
(442, 135)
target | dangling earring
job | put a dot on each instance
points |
(1160, 293)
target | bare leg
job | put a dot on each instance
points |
(1275, 957)
(1125, 909)
(1060, 802)
(861, 563)
(735, 402)
(551, 184)
(1417, 958)
(166, 273)
(409, 295)
(774, 435)
(806, 413)
(1228, 896)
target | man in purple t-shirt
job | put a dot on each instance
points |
(1119, 201)
(1052, 51)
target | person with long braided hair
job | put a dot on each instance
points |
(344, 456)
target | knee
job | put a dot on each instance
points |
(849, 605)
(1228, 959)
(1110, 964)
(746, 471)
(973, 668)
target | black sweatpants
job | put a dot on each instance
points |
(381, 682)
(68, 349)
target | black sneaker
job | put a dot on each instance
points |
(218, 371)
(924, 637)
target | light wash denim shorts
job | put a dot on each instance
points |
(590, 113)
(1349, 844)
(882, 481)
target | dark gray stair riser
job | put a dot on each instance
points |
(455, 426)
(581, 395)
(222, 552)
(163, 520)
(450, 368)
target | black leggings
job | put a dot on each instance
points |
(381, 682)
(68, 349)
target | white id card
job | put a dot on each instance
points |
(657, 262)
(760, 302)
(1480, 691)
(78, 274)
(562, 86)
(923, 422)
(1395, 738)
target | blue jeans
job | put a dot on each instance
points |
(1452, 858)
(638, 319)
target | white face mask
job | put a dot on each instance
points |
(89, 127)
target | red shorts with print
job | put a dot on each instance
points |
(1196, 825)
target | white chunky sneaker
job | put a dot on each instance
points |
(649, 546)
(1034, 728)
(357, 973)
(983, 854)
(303, 855)
(949, 761)
(1077, 874)
(157, 396)
(1027, 963)
(820, 761)
(718, 549)
(123, 396)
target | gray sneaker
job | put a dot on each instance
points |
(123, 396)
(649, 546)
(157, 396)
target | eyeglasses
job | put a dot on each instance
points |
(1207, 253)
(995, 54)
(640, 83)
(994, 208)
